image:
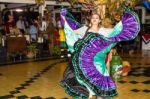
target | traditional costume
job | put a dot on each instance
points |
(87, 71)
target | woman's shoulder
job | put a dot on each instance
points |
(105, 31)
(84, 27)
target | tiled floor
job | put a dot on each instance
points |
(40, 80)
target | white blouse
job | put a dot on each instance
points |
(103, 31)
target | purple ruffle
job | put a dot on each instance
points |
(131, 28)
(88, 68)
(72, 23)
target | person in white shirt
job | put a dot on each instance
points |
(43, 25)
(21, 25)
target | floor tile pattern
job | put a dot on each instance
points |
(40, 80)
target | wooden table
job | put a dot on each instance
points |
(15, 44)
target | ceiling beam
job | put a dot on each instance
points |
(18, 1)
(33, 2)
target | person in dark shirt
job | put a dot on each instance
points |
(9, 24)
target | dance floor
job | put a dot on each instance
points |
(40, 80)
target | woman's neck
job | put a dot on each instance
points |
(94, 28)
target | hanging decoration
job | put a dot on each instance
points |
(106, 8)
(112, 9)
(40, 2)
(102, 6)
(147, 4)
(146, 38)
(91, 5)
(72, 2)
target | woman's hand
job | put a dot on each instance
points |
(63, 12)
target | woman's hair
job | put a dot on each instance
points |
(96, 14)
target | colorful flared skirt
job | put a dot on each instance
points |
(88, 69)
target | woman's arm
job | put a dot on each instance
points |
(69, 26)
(127, 29)
(109, 57)
(80, 32)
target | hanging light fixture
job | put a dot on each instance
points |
(19, 10)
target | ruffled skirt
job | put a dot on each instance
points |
(88, 69)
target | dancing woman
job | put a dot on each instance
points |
(87, 73)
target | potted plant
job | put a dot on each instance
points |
(32, 50)
(56, 51)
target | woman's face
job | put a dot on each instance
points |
(95, 19)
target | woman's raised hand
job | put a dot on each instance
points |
(63, 12)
